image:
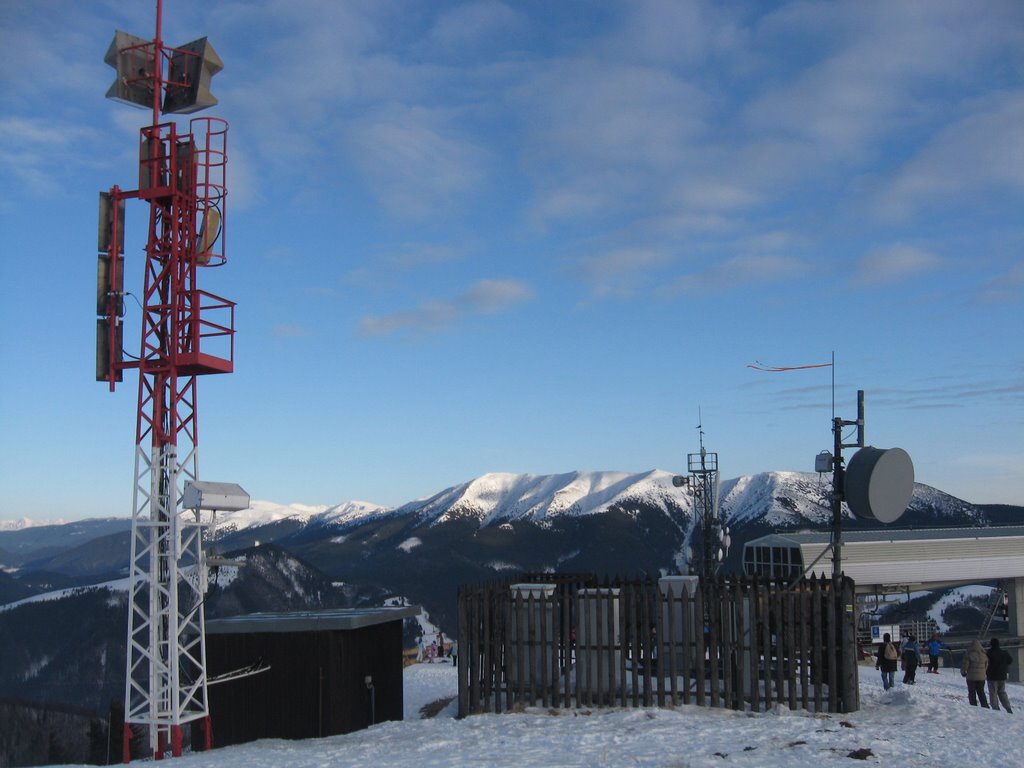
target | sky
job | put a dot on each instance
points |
(535, 237)
(925, 726)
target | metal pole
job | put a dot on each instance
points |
(837, 500)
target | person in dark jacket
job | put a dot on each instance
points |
(998, 663)
(911, 659)
(886, 661)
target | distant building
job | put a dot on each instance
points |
(325, 673)
(891, 560)
(895, 559)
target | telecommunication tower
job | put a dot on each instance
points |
(186, 333)
(703, 484)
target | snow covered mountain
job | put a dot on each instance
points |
(497, 497)
(494, 526)
(757, 503)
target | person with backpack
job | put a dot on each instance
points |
(911, 659)
(998, 667)
(886, 661)
(975, 668)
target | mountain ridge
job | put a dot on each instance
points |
(502, 496)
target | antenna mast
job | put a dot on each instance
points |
(186, 332)
(703, 482)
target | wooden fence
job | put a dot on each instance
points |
(742, 643)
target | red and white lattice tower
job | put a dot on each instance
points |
(186, 333)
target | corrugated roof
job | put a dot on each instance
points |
(309, 621)
(892, 534)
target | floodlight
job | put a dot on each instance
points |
(188, 84)
(132, 58)
(219, 497)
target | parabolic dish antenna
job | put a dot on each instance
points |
(879, 483)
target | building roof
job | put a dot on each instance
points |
(891, 558)
(891, 534)
(309, 621)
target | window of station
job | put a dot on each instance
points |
(774, 562)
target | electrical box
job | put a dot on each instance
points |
(823, 462)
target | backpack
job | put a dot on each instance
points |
(890, 652)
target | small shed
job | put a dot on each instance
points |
(327, 672)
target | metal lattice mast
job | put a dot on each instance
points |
(703, 484)
(186, 332)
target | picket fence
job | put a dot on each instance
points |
(545, 640)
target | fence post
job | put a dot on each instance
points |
(738, 609)
(831, 617)
(463, 642)
(698, 617)
(778, 659)
(818, 640)
(669, 602)
(657, 639)
(755, 601)
(765, 612)
(486, 631)
(623, 641)
(567, 645)
(504, 660)
(711, 607)
(612, 596)
(476, 648)
(805, 662)
(792, 651)
(848, 640)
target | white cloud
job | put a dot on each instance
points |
(36, 152)
(982, 152)
(415, 160)
(474, 24)
(620, 272)
(602, 135)
(483, 297)
(881, 75)
(737, 271)
(894, 263)
(1009, 286)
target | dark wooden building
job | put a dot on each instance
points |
(329, 672)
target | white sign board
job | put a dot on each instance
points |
(878, 630)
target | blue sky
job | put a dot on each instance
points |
(536, 237)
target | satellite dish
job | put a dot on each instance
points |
(879, 483)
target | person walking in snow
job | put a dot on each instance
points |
(886, 661)
(975, 668)
(998, 664)
(934, 649)
(911, 659)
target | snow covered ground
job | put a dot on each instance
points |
(929, 724)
